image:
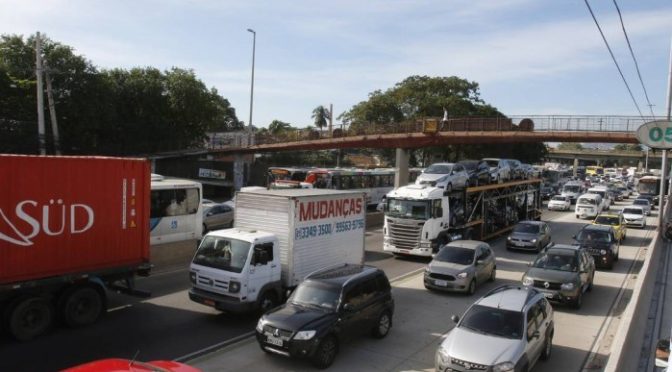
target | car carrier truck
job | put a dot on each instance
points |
(278, 238)
(70, 228)
(419, 219)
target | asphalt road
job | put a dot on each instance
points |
(169, 325)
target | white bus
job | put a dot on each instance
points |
(176, 213)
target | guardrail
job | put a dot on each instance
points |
(627, 343)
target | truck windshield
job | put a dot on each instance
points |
(408, 208)
(222, 253)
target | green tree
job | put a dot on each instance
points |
(276, 127)
(570, 146)
(320, 116)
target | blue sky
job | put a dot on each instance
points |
(529, 56)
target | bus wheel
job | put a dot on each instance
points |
(29, 317)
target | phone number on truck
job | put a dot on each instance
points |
(327, 229)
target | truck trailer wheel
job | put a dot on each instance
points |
(29, 317)
(81, 306)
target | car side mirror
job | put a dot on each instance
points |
(536, 334)
(348, 307)
(209, 214)
(455, 318)
(480, 262)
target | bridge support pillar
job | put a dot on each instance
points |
(576, 165)
(401, 168)
(640, 165)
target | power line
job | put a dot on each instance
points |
(633, 58)
(614, 59)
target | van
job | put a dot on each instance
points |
(588, 206)
(603, 192)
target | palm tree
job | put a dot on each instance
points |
(321, 114)
(277, 127)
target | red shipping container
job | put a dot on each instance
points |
(64, 215)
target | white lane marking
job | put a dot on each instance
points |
(122, 307)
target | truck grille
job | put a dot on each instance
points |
(404, 235)
(210, 282)
(542, 284)
(441, 276)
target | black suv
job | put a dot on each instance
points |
(600, 241)
(329, 307)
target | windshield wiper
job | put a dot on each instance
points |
(474, 329)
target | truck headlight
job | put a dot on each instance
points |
(527, 281)
(567, 286)
(462, 275)
(234, 287)
(603, 251)
(503, 367)
(304, 335)
(260, 325)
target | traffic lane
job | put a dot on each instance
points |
(576, 331)
(166, 326)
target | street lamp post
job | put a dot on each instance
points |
(254, 46)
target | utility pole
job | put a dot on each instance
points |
(331, 119)
(40, 96)
(663, 169)
(52, 111)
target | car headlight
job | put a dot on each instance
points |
(534, 241)
(508, 238)
(567, 286)
(234, 287)
(603, 251)
(462, 275)
(503, 367)
(304, 335)
(260, 325)
(527, 281)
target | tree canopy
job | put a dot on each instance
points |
(628, 147)
(570, 146)
(117, 111)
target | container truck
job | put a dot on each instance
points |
(278, 238)
(419, 219)
(70, 228)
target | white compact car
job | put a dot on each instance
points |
(560, 203)
(634, 216)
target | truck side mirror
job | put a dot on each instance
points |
(455, 318)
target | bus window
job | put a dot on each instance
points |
(176, 202)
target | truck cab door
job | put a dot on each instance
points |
(262, 267)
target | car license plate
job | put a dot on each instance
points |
(209, 302)
(274, 340)
(441, 283)
(548, 295)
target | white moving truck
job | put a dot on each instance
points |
(279, 237)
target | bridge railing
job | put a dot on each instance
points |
(537, 123)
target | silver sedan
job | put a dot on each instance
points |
(461, 266)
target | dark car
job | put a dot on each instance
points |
(601, 242)
(479, 172)
(529, 235)
(547, 192)
(563, 273)
(328, 308)
(653, 200)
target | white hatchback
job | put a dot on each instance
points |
(560, 203)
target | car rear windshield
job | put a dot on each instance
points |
(494, 322)
(469, 165)
(640, 202)
(607, 220)
(559, 198)
(526, 228)
(492, 163)
(457, 255)
(557, 260)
